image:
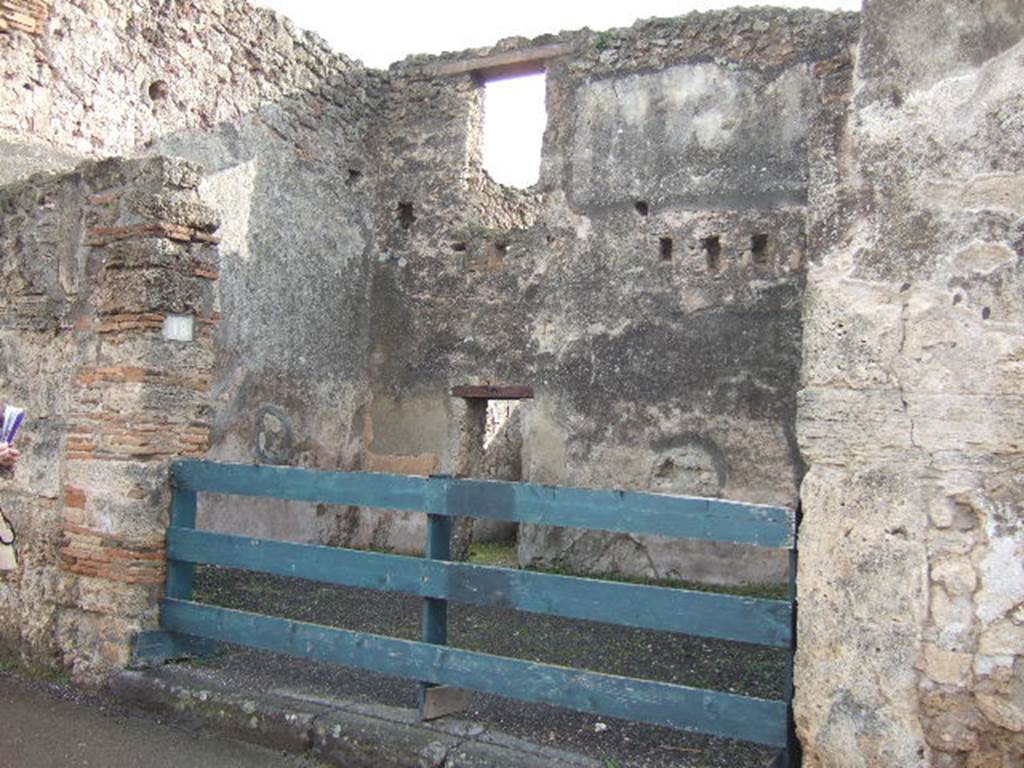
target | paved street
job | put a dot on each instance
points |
(41, 730)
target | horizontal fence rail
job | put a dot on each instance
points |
(690, 709)
(684, 517)
(188, 625)
(709, 614)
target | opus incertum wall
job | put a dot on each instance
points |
(772, 254)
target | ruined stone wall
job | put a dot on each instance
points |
(93, 262)
(277, 121)
(654, 369)
(911, 581)
(291, 184)
(100, 78)
(649, 287)
(868, 217)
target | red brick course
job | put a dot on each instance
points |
(89, 552)
(101, 235)
(24, 15)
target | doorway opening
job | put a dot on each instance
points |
(491, 448)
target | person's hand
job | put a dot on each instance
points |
(8, 456)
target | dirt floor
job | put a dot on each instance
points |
(697, 662)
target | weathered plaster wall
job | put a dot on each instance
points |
(92, 263)
(291, 183)
(911, 580)
(328, 176)
(673, 372)
(278, 122)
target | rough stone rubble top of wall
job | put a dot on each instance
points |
(762, 36)
(189, 65)
(179, 65)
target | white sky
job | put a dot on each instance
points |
(379, 33)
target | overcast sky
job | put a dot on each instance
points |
(379, 33)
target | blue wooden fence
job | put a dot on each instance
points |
(186, 624)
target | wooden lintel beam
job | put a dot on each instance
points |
(489, 392)
(501, 65)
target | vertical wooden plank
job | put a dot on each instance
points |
(183, 515)
(159, 646)
(435, 610)
(434, 702)
(792, 754)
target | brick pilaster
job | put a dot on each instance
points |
(138, 399)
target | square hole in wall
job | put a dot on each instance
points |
(712, 252)
(665, 247)
(406, 215)
(759, 249)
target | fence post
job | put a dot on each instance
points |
(184, 504)
(439, 700)
(158, 646)
(792, 755)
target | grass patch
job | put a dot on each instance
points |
(11, 665)
(501, 554)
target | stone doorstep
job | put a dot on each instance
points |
(336, 731)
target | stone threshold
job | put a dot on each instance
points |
(335, 731)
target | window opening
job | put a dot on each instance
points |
(515, 117)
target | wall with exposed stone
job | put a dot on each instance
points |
(911, 583)
(279, 124)
(648, 288)
(100, 78)
(93, 262)
(291, 184)
(27, 16)
(853, 336)
(679, 374)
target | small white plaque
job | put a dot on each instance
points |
(178, 327)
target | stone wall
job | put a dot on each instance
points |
(755, 248)
(911, 580)
(649, 287)
(93, 262)
(425, 274)
(278, 123)
(105, 78)
(291, 184)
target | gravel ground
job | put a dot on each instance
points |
(727, 666)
